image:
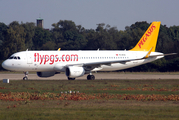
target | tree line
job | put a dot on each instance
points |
(66, 35)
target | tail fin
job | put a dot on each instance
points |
(149, 39)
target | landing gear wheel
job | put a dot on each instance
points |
(25, 78)
(26, 75)
(71, 78)
(90, 77)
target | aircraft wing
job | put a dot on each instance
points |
(92, 65)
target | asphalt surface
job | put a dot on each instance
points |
(99, 76)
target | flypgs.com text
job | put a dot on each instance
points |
(51, 59)
(146, 36)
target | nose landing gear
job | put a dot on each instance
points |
(26, 75)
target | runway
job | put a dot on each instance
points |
(98, 76)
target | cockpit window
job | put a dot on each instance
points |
(11, 57)
(15, 57)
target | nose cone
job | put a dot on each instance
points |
(6, 65)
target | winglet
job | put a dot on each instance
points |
(149, 39)
(148, 54)
(59, 49)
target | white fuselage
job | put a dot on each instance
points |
(58, 60)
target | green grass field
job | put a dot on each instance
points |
(105, 105)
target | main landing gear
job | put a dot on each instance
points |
(26, 75)
(71, 78)
(90, 77)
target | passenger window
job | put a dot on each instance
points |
(18, 58)
(15, 57)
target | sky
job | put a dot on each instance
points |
(89, 13)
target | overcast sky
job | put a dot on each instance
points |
(88, 13)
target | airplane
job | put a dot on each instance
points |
(78, 63)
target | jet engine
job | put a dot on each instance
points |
(74, 71)
(46, 74)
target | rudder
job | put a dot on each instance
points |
(149, 39)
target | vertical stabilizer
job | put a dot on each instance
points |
(149, 39)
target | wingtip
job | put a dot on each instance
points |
(59, 49)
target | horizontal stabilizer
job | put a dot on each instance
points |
(170, 54)
(163, 54)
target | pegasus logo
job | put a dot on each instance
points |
(146, 36)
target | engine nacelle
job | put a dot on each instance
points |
(46, 74)
(74, 71)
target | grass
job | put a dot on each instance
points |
(104, 109)
(97, 86)
(97, 109)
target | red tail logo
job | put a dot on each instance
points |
(147, 35)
